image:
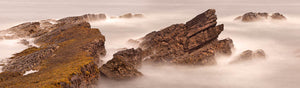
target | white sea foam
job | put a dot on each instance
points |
(30, 72)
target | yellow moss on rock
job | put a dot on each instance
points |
(69, 60)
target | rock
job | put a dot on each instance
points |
(24, 42)
(254, 17)
(193, 43)
(94, 17)
(123, 66)
(23, 30)
(138, 15)
(133, 42)
(130, 15)
(83, 18)
(249, 55)
(68, 57)
(7, 75)
(259, 54)
(29, 29)
(22, 62)
(278, 16)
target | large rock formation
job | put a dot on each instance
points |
(249, 55)
(193, 43)
(123, 66)
(253, 17)
(68, 56)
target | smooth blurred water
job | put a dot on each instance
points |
(280, 40)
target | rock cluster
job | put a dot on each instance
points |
(249, 55)
(253, 17)
(193, 43)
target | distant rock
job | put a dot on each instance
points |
(278, 16)
(83, 18)
(254, 17)
(249, 55)
(130, 15)
(123, 66)
(193, 43)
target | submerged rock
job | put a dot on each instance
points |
(123, 66)
(68, 56)
(254, 17)
(249, 55)
(193, 43)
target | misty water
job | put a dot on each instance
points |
(280, 40)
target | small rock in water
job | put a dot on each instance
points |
(249, 55)
(278, 16)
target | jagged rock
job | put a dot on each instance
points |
(193, 43)
(249, 55)
(130, 15)
(123, 66)
(253, 17)
(68, 57)
(278, 16)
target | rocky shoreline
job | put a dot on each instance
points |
(70, 51)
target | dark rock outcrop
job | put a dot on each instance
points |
(193, 43)
(253, 17)
(68, 57)
(124, 65)
(249, 55)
